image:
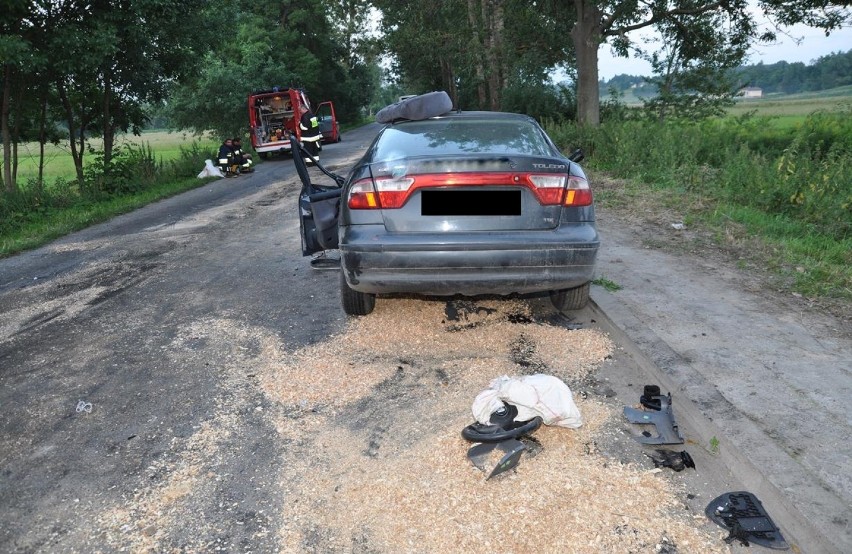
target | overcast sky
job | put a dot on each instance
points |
(813, 45)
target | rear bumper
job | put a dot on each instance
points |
(375, 261)
(273, 146)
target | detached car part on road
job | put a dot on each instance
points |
(452, 203)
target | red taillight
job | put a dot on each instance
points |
(550, 189)
(368, 194)
(393, 192)
(578, 192)
(362, 196)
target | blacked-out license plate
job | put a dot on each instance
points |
(470, 202)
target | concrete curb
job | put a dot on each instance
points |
(737, 437)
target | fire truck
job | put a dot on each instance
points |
(275, 113)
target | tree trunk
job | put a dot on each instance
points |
(76, 155)
(473, 16)
(42, 137)
(492, 11)
(586, 35)
(108, 129)
(8, 178)
(16, 131)
(448, 78)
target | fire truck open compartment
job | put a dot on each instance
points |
(274, 114)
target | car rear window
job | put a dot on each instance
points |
(452, 136)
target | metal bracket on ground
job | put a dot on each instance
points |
(663, 420)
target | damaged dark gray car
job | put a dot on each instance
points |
(464, 203)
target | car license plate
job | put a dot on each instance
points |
(470, 202)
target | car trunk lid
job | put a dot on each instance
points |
(471, 193)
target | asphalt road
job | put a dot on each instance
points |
(108, 386)
(90, 318)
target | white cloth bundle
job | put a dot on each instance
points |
(210, 170)
(534, 395)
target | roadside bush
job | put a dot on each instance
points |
(190, 161)
(33, 200)
(131, 169)
(540, 102)
(802, 173)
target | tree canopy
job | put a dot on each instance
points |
(96, 68)
(479, 51)
(599, 21)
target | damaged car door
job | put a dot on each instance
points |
(319, 208)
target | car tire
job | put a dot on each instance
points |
(354, 302)
(263, 155)
(570, 299)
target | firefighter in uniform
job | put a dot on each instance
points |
(227, 163)
(309, 125)
(241, 158)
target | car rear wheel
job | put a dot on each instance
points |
(570, 299)
(354, 302)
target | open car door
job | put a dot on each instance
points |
(319, 206)
(328, 125)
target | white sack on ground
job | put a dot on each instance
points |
(534, 395)
(210, 170)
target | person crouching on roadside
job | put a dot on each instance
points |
(243, 159)
(226, 159)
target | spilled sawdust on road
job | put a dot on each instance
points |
(396, 478)
(374, 459)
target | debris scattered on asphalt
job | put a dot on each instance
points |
(353, 481)
(486, 456)
(663, 420)
(746, 520)
(648, 397)
(83, 406)
(677, 461)
(500, 435)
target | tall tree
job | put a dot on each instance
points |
(285, 43)
(358, 52)
(693, 66)
(15, 49)
(597, 21)
(93, 62)
(473, 49)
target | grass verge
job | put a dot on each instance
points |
(53, 223)
(790, 255)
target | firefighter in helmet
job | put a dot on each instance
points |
(309, 126)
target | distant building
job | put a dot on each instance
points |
(751, 92)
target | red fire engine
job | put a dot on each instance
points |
(274, 114)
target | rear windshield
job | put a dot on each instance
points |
(451, 136)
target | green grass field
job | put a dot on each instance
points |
(786, 110)
(790, 110)
(58, 163)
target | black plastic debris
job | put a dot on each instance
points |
(746, 520)
(499, 445)
(648, 397)
(483, 456)
(663, 420)
(502, 426)
(677, 461)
